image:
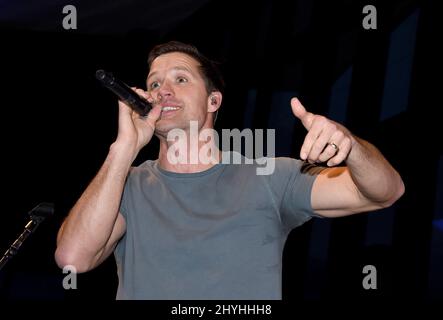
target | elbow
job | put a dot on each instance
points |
(68, 259)
(70, 256)
(397, 193)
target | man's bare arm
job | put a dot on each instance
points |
(368, 182)
(94, 226)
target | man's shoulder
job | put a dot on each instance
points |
(145, 167)
(262, 166)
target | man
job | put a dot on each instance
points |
(209, 230)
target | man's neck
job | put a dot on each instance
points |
(188, 156)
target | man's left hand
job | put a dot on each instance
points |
(326, 141)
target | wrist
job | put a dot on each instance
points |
(123, 151)
(357, 146)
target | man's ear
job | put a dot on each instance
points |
(214, 101)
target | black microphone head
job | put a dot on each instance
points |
(100, 74)
(104, 77)
(43, 210)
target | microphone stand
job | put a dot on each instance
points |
(37, 215)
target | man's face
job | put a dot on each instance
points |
(174, 82)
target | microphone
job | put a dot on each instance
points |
(42, 211)
(124, 92)
(37, 215)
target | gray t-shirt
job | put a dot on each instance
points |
(216, 234)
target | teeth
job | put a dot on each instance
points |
(169, 108)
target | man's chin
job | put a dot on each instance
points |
(163, 126)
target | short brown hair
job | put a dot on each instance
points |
(209, 69)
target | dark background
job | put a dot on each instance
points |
(58, 123)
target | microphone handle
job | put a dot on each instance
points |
(124, 92)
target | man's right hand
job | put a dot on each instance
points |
(135, 131)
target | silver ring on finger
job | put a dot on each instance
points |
(333, 145)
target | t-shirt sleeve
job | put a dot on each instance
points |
(130, 190)
(126, 190)
(119, 249)
(291, 183)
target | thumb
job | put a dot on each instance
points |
(154, 114)
(301, 113)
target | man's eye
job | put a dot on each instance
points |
(154, 85)
(181, 80)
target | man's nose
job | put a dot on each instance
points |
(165, 91)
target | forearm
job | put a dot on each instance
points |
(90, 222)
(372, 174)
